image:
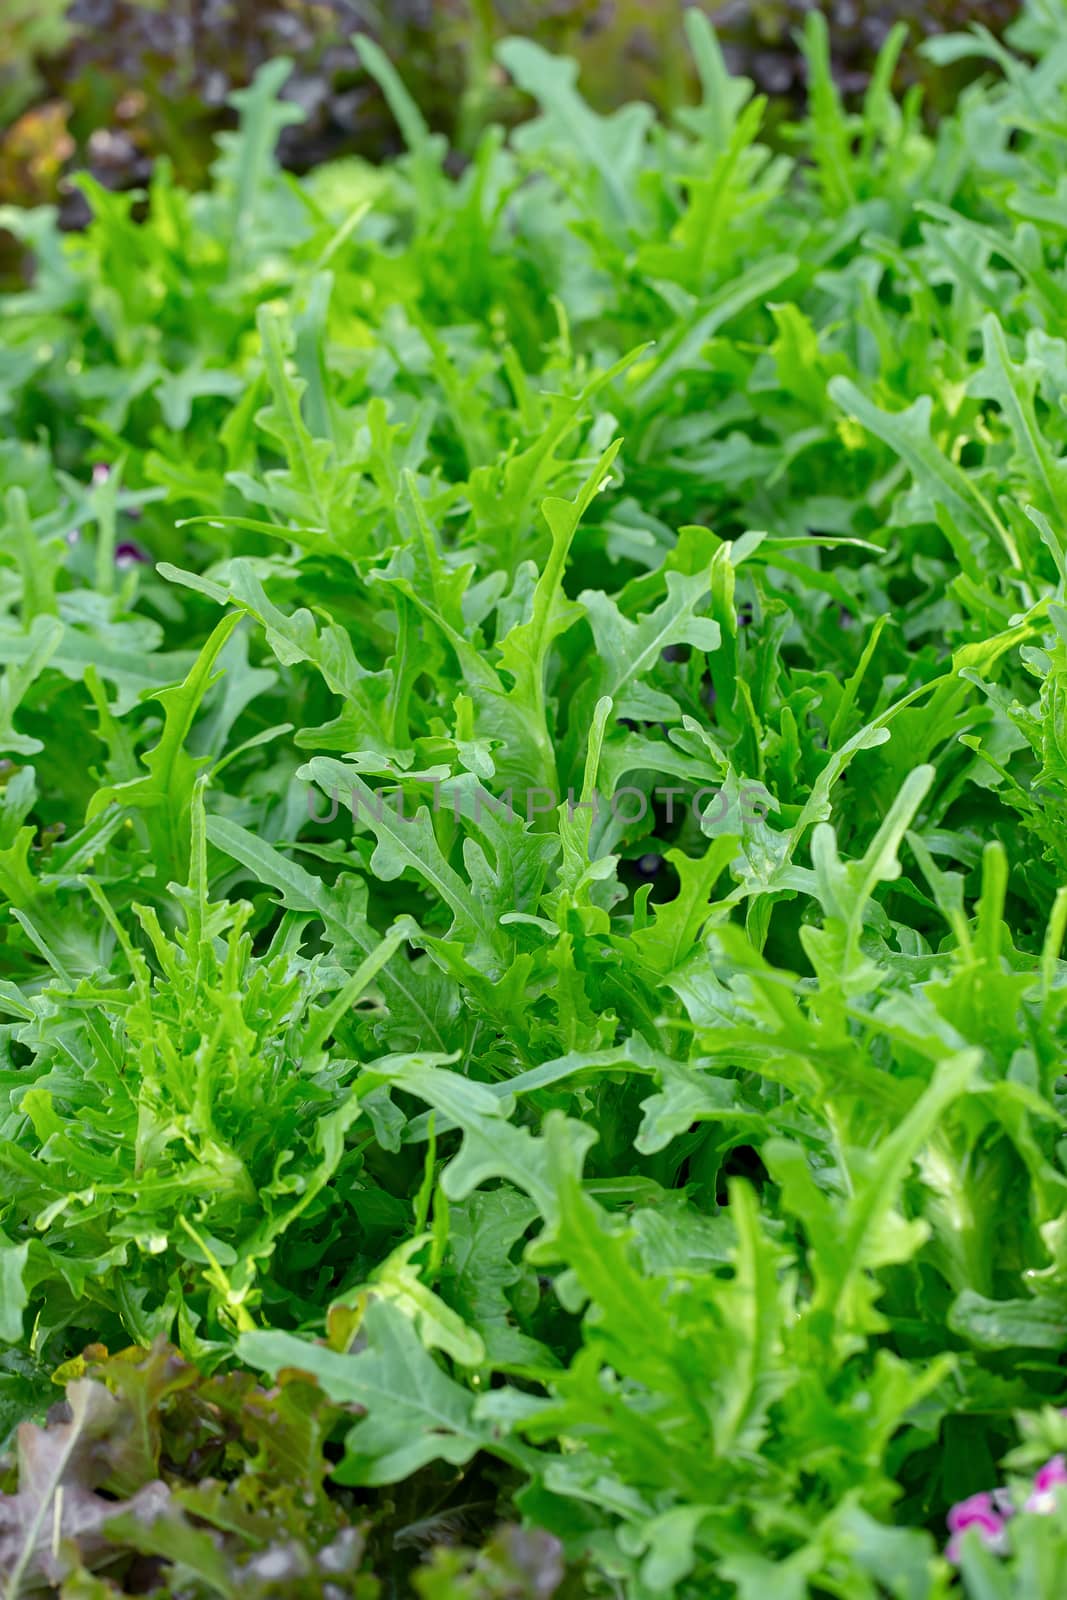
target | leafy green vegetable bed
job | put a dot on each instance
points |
(533, 832)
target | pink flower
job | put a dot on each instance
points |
(1043, 1495)
(978, 1511)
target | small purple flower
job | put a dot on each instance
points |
(1043, 1495)
(130, 554)
(977, 1511)
(101, 473)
